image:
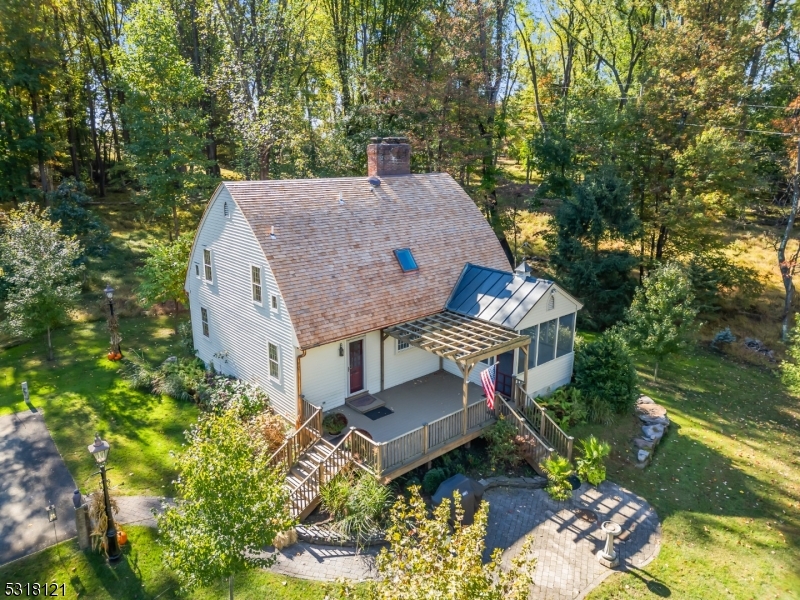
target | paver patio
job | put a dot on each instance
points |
(565, 543)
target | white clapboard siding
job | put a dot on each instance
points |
(562, 305)
(324, 372)
(475, 374)
(238, 327)
(546, 378)
(407, 364)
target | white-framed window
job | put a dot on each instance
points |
(208, 274)
(401, 345)
(489, 361)
(204, 321)
(566, 334)
(534, 333)
(274, 357)
(274, 302)
(197, 270)
(547, 342)
(255, 279)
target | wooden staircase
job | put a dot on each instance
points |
(309, 462)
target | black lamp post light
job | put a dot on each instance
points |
(99, 449)
(113, 326)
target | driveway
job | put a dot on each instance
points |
(32, 476)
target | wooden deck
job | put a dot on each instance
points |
(414, 403)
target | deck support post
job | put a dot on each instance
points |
(425, 438)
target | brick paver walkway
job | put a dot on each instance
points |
(565, 542)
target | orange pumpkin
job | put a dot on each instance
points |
(117, 356)
(110, 356)
(122, 538)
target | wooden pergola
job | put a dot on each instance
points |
(461, 339)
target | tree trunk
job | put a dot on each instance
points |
(175, 315)
(50, 355)
(655, 372)
(175, 223)
(787, 267)
(230, 587)
(101, 167)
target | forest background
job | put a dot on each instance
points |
(600, 138)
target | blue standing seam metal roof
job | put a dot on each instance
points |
(495, 296)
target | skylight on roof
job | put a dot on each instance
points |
(406, 259)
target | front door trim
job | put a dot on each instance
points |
(363, 388)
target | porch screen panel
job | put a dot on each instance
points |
(566, 330)
(547, 342)
(534, 333)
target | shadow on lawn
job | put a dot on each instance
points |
(125, 580)
(728, 452)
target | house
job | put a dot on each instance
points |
(389, 291)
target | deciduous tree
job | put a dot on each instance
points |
(231, 505)
(164, 273)
(42, 277)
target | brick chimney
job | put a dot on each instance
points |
(388, 156)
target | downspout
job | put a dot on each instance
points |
(299, 418)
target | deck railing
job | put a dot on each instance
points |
(381, 458)
(534, 448)
(297, 443)
(542, 423)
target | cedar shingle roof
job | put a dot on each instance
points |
(335, 264)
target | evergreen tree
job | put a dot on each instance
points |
(599, 212)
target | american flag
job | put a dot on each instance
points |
(488, 379)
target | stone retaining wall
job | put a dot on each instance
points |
(654, 425)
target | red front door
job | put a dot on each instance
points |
(356, 364)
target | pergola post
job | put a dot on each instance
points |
(466, 370)
(526, 350)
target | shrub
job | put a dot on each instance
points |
(433, 479)
(591, 465)
(502, 447)
(723, 337)
(357, 503)
(333, 424)
(246, 399)
(558, 469)
(268, 432)
(137, 371)
(566, 406)
(604, 373)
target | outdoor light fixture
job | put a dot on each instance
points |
(109, 292)
(99, 450)
(52, 515)
(341, 350)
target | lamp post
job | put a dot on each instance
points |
(113, 325)
(100, 450)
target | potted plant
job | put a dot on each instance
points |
(333, 424)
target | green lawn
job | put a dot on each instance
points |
(725, 482)
(141, 575)
(80, 393)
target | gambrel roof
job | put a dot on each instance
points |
(334, 261)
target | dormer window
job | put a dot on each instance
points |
(406, 260)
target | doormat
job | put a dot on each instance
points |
(379, 412)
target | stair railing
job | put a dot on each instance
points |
(297, 443)
(542, 423)
(534, 448)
